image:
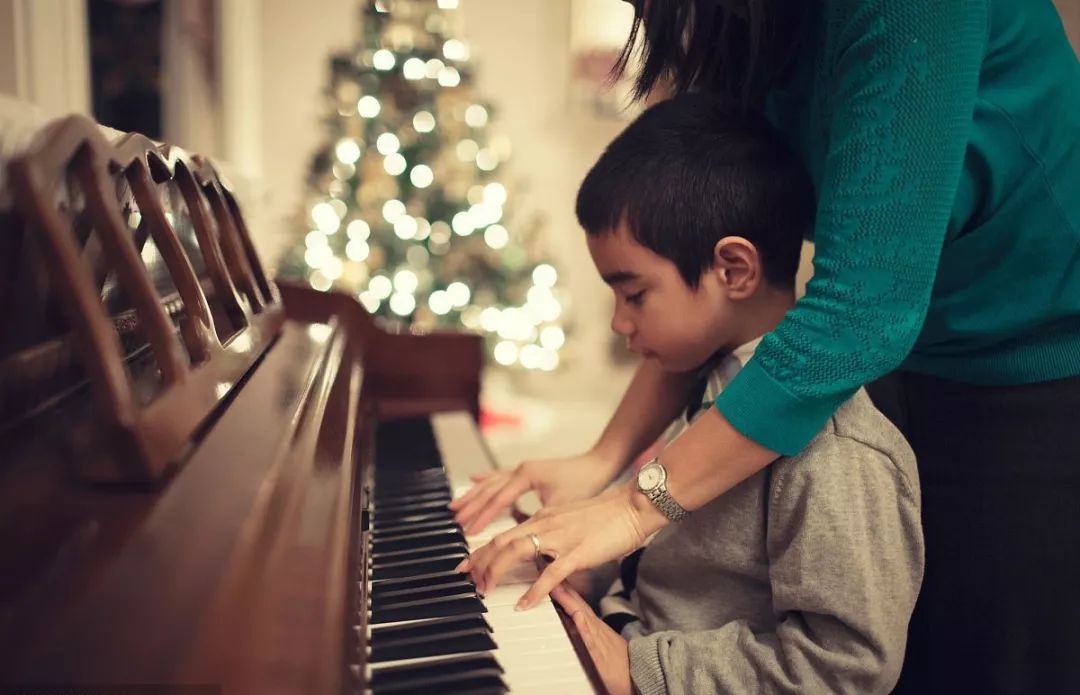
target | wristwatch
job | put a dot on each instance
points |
(652, 482)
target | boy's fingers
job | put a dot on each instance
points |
(513, 489)
(469, 511)
(550, 578)
(570, 600)
(470, 494)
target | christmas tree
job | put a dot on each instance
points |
(406, 208)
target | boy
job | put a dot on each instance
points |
(803, 577)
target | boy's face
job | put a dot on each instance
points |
(660, 316)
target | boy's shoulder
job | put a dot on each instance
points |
(858, 434)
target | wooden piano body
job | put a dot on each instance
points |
(182, 440)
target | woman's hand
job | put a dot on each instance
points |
(578, 536)
(557, 481)
(609, 652)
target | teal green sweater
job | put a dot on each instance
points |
(943, 137)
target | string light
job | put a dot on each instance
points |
(393, 209)
(467, 149)
(459, 293)
(462, 224)
(347, 151)
(433, 67)
(325, 218)
(414, 69)
(544, 275)
(524, 335)
(402, 304)
(505, 353)
(552, 337)
(476, 116)
(421, 176)
(380, 287)
(405, 227)
(368, 106)
(387, 143)
(383, 60)
(357, 250)
(395, 164)
(358, 230)
(455, 49)
(424, 122)
(496, 236)
(440, 302)
(449, 77)
(486, 160)
(406, 281)
(370, 302)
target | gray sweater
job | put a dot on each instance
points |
(800, 579)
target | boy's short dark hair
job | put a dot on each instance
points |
(690, 171)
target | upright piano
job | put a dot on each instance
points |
(213, 480)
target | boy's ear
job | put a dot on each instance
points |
(737, 265)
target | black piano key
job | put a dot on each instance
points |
(411, 568)
(440, 495)
(466, 603)
(457, 642)
(418, 593)
(421, 582)
(435, 626)
(397, 529)
(418, 579)
(433, 488)
(406, 478)
(404, 516)
(408, 675)
(406, 509)
(422, 553)
(421, 539)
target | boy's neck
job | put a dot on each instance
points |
(761, 313)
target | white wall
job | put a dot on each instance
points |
(296, 39)
(43, 54)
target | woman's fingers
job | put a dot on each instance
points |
(519, 550)
(499, 502)
(551, 577)
(481, 559)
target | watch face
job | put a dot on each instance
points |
(650, 477)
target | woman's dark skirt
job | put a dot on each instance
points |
(999, 610)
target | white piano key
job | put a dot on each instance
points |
(531, 646)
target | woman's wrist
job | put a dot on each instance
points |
(611, 459)
(649, 518)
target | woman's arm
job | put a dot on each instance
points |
(905, 77)
(653, 398)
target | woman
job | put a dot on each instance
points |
(944, 140)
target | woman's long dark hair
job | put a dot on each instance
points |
(736, 49)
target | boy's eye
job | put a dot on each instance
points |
(635, 298)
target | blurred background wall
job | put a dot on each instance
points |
(243, 80)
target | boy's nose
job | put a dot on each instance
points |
(621, 326)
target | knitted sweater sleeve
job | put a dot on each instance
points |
(899, 80)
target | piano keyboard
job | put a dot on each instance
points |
(428, 631)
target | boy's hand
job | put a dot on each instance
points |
(610, 653)
(556, 481)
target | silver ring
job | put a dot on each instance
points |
(536, 546)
